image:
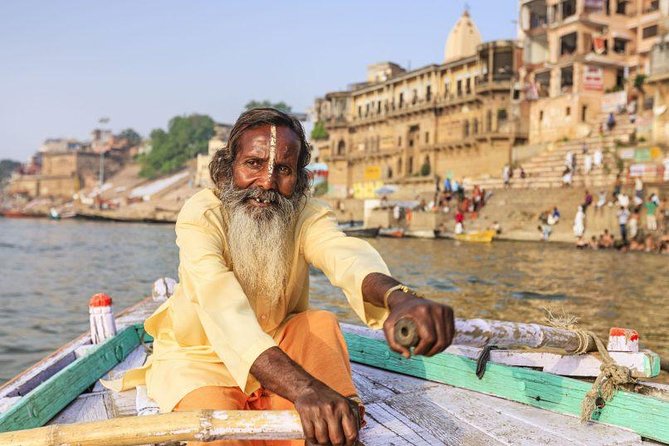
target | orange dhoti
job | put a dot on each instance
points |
(314, 341)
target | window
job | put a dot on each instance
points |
(621, 7)
(488, 126)
(476, 126)
(378, 107)
(584, 113)
(568, 44)
(619, 46)
(566, 79)
(410, 165)
(465, 128)
(428, 93)
(649, 32)
(459, 88)
(541, 115)
(427, 137)
(399, 142)
(401, 100)
(469, 86)
(359, 111)
(620, 78)
(341, 148)
(399, 166)
(568, 111)
(568, 8)
(501, 115)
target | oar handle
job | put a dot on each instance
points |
(405, 333)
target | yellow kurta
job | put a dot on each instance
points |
(209, 332)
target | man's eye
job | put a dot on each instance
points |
(283, 170)
(253, 163)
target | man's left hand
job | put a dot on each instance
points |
(434, 323)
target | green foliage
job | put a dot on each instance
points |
(132, 136)
(281, 106)
(186, 137)
(642, 139)
(425, 170)
(7, 167)
(319, 133)
(639, 81)
(321, 189)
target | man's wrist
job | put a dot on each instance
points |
(398, 297)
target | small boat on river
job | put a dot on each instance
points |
(392, 232)
(474, 236)
(417, 401)
(15, 213)
(361, 232)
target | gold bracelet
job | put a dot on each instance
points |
(403, 288)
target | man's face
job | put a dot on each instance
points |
(267, 160)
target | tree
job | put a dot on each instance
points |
(132, 136)
(281, 106)
(186, 137)
(7, 167)
(319, 133)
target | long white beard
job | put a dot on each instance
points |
(261, 250)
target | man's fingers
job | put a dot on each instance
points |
(321, 431)
(335, 430)
(426, 332)
(350, 425)
(441, 335)
(389, 331)
(308, 429)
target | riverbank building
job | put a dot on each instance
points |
(457, 118)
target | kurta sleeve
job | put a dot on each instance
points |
(346, 261)
(222, 307)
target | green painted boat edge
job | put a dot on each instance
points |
(645, 415)
(45, 401)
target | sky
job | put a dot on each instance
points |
(66, 64)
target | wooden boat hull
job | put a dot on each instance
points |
(362, 232)
(20, 214)
(415, 394)
(392, 232)
(476, 237)
(420, 233)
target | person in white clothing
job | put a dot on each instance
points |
(587, 164)
(579, 223)
(598, 158)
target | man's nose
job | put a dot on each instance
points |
(267, 180)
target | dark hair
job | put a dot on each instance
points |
(220, 167)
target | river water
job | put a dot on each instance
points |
(48, 271)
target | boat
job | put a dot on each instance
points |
(476, 236)
(420, 233)
(392, 232)
(361, 232)
(437, 400)
(15, 213)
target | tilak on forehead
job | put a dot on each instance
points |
(272, 150)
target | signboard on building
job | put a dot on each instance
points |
(593, 78)
(372, 173)
(613, 102)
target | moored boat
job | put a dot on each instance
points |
(15, 213)
(392, 232)
(361, 232)
(476, 236)
(438, 400)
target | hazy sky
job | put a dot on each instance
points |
(64, 64)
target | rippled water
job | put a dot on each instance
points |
(50, 269)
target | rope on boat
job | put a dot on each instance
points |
(612, 376)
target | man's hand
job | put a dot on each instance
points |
(327, 417)
(434, 322)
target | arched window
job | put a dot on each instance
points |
(341, 148)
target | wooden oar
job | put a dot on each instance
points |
(482, 332)
(204, 425)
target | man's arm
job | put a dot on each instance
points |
(327, 417)
(434, 321)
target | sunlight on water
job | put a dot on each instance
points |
(50, 269)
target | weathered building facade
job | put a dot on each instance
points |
(413, 128)
(576, 51)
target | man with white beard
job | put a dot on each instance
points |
(238, 332)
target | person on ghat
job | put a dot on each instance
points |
(238, 332)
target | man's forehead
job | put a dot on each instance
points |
(261, 138)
